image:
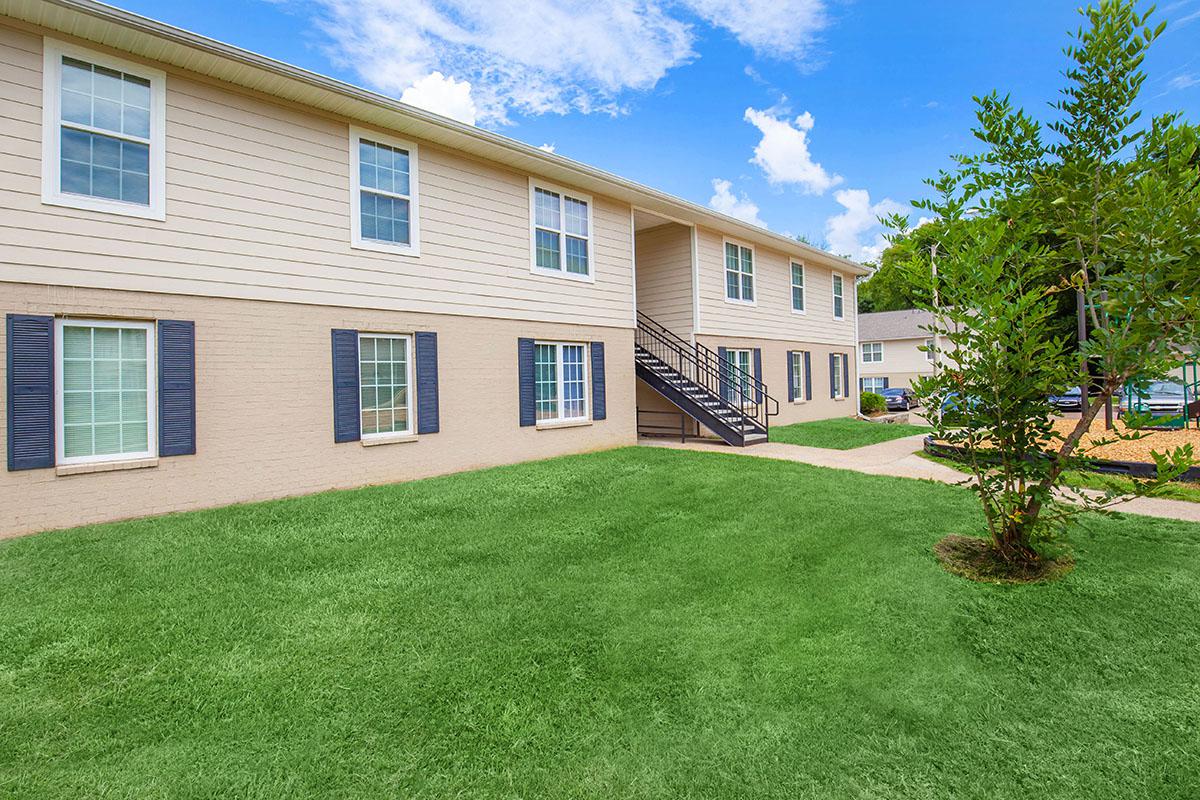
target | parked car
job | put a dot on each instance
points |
(899, 399)
(1068, 400)
(1162, 399)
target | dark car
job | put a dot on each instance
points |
(1068, 400)
(899, 399)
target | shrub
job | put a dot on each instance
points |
(870, 403)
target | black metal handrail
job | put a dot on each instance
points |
(736, 389)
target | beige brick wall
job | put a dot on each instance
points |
(264, 407)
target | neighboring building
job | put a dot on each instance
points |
(227, 279)
(894, 347)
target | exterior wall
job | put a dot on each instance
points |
(252, 446)
(772, 317)
(664, 276)
(902, 362)
(774, 374)
(258, 207)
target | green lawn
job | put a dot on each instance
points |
(632, 624)
(843, 433)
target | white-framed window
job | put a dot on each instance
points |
(385, 384)
(797, 376)
(560, 232)
(560, 372)
(105, 391)
(839, 297)
(872, 352)
(103, 133)
(797, 288)
(876, 385)
(739, 273)
(384, 207)
(839, 385)
(929, 349)
(738, 379)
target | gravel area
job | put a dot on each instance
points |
(1138, 450)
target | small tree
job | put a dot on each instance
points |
(1104, 209)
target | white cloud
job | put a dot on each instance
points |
(441, 95)
(783, 154)
(737, 206)
(1184, 81)
(548, 147)
(548, 56)
(845, 232)
(932, 104)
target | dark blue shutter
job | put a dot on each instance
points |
(832, 377)
(758, 374)
(525, 376)
(176, 387)
(807, 375)
(846, 373)
(30, 391)
(885, 382)
(425, 344)
(791, 372)
(723, 375)
(347, 422)
(861, 385)
(599, 407)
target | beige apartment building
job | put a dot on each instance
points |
(227, 279)
(895, 347)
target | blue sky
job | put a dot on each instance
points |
(809, 116)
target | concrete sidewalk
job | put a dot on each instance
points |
(898, 458)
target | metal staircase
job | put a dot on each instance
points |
(727, 400)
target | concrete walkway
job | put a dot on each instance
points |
(898, 458)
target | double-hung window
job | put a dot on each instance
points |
(383, 194)
(872, 352)
(797, 372)
(561, 232)
(739, 273)
(105, 385)
(738, 380)
(560, 381)
(837, 363)
(929, 349)
(103, 133)
(385, 377)
(797, 288)
(839, 301)
(876, 385)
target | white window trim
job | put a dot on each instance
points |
(725, 240)
(413, 249)
(928, 343)
(559, 419)
(52, 194)
(803, 288)
(60, 458)
(862, 353)
(411, 433)
(562, 192)
(749, 370)
(839, 373)
(833, 295)
(873, 379)
(798, 371)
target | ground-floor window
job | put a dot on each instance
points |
(797, 374)
(560, 381)
(739, 378)
(837, 384)
(385, 383)
(105, 407)
(876, 385)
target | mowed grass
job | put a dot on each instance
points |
(642, 623)
(843, 433)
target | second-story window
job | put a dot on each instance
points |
(797, 287)
(383, 194)
(562, 232)
(739, 273)
(839, 301)
(872, 352)
(104, 129)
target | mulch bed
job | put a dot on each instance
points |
(1139, 450)
(975, 559)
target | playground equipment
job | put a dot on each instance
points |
(1182, 415)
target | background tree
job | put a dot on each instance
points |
(1092, 204)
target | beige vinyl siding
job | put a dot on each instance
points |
(771, 316)
(258, 207)
(664, 276)
(900, 356)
